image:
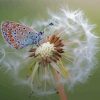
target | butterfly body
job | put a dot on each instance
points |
(18, 35)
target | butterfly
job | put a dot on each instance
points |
(19, 35)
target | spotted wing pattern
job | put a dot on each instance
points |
(18, 35)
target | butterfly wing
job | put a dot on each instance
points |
(18, 35)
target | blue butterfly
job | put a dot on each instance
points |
(19, 36)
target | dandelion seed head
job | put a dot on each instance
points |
(45, 49)
(68, 46)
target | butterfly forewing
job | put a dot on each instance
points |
(18, 35)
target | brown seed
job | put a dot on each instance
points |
(32, 55)
(32, 50)
(61, 51)
(53, 59)
(58, 49)
(57, 58)
(45, 60)
(59, 45)
(57, 42)
(52, 38)
(42, 62)
(48, 60)
(56, 38)
(58, 54)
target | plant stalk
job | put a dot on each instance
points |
(60, 87)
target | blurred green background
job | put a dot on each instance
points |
(32, 10)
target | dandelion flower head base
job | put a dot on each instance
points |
(45, 49)
(48, 51)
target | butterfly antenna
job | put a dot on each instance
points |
(50, 24)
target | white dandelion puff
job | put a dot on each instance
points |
(78, 49)
(65, 56)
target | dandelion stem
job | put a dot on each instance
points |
(60, 87)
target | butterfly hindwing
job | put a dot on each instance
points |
(18, 35)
